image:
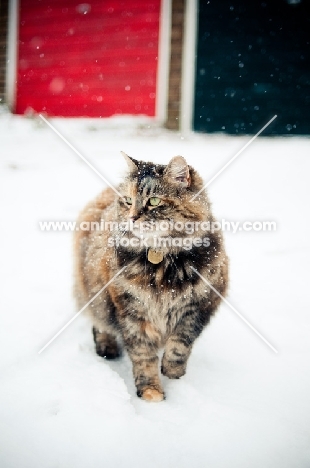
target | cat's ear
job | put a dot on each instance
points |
(132, 163)
(177, 172)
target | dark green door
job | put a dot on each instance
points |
(252, 63)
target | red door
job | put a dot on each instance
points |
(94, 59)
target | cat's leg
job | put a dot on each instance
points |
(146, 374)
(175, 358)
(106, 344)
(179, 345)
(142, 342)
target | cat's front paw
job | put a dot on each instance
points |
(173, 369)
(151, 394)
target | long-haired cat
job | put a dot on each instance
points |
(161, 236)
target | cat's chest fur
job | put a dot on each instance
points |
(160, 305)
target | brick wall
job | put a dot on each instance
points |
(3, 46)
(175, 69)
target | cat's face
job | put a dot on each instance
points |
(157, 193)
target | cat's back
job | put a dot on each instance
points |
(89, 216)
(94, 209)
(88, 229)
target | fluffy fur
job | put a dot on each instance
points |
(149, 306)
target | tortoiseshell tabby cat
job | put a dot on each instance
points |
(158, 300)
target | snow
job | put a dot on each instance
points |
(240, 404)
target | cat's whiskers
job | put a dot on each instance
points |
(145, 276)
(122, 230)
(172, 260)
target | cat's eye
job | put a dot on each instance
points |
(154, 201)
(128, 200)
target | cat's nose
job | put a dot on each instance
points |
(134, 218)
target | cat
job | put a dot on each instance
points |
(158, 300)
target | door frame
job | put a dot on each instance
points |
(189, 66)
(11, 55)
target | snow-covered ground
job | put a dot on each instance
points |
(240, 404)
